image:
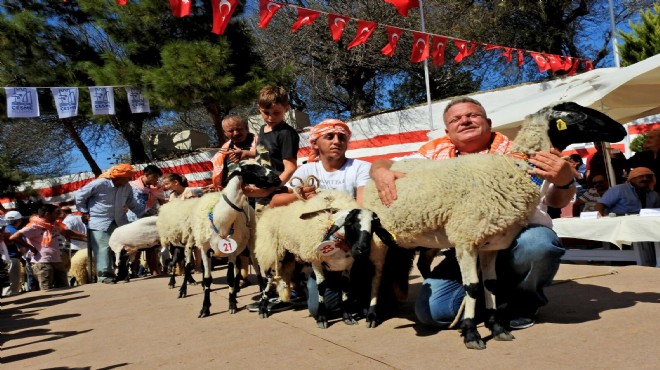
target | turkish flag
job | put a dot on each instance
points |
(180, 8)
(121, 2)
(438, 50)
(588, 65)
(393, 36)
(507, 54)
(540, 60)
(222, 12)
(521, 58)
(337, 23)
(555, 61)
(574, 66)
(420, 50)
(305, 17)
(492, 47)
(568, 63)
(463, 50)
(267, 10)
(364, 30)
(402, 6)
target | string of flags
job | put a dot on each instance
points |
(23, 102)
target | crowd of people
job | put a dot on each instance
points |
(524, 269)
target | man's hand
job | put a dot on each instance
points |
(385, 180)
(551, 167)
(210, 189)
(235, 155)
(307, 192)
(255, 192)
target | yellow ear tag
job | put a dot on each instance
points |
(561, 125)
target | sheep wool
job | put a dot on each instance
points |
(79, 267)
(135, 236)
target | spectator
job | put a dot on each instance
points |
(587, 201)
(103, 200)
(40, 237)
(649, 157)
(242, 144)
(14, 222)
(596, 163)
(77, 224)
(632, 196)
(177, 185)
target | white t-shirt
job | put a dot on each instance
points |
(75, 223)
(353, 174)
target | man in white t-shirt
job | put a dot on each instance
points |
(77, 224)
(328, 163)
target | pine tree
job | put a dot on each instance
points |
(643, 41)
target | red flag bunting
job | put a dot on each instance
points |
(420, 50)
(364, 30)
(121, 2)
(463, 50)
(438, 50)
(568, 63)
(521, 57)
(507, 54)
(588, 66)
(222, 12)
(180, 8)
(402, 6)
(393, 36)
(337, 23)
(541, 61)
(267, 10)
(305, 17)
(492, 47)
(555, 62)
(574, 67)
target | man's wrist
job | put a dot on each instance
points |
(567, 186)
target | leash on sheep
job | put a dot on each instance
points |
(458, 314)
(310, 180)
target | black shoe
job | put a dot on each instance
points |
(521, 323)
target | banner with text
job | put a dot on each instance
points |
(66, 101)
(137, 101)
(103, 99)
(22, 102)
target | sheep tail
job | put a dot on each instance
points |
(458, 314)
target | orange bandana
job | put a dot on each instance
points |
(328, 126)
(218, 161)
(119, 171)
(443, 148)
(639, 171)
(48, 227)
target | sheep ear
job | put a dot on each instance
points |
(308, 215)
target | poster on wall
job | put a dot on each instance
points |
(22, 102)
(103, 99)
(66, 101)
(137, 101)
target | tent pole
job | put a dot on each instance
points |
(426, 71)
(617, 62)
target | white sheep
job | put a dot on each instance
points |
(127, 240)
(478, 203)
(79, 270)
(298, 229)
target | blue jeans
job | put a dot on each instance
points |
(99, 240)
(523, 271)
(332, 297)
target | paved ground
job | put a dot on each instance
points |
(600, 317)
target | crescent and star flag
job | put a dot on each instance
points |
(463, 50)
(402, 6)
(181, 8)
(568, 63)
(393, 36)
(420, 50)
(66, 101)
(574, 66)
(305, 17)
(337, 23)
(555, 61)
(364, 30)
(222, 12)
(438, 50)
(540, 61)
(267, 10)
(22, 102)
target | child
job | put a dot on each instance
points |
(178, 187)
(277, 142)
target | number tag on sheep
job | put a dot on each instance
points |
(227, 246)
(328, 248)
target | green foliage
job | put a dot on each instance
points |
(10, 177)
(637, 145)
(643, 41)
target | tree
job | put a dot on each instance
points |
(643, 41)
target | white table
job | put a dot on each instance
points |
(616, 230)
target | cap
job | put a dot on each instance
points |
(13, 216)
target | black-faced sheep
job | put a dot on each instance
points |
(478, 203)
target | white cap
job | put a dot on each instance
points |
(13, 216)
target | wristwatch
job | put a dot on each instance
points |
(565, 186)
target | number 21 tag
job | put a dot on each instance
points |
(227, 246)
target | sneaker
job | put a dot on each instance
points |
(253, 307)
(276, 305)
(521, 323)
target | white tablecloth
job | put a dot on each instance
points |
(616, 230)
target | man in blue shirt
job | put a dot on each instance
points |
(105, 200)
(14, 220)
(635, 194)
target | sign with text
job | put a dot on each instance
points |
(66, 101)
(103, 99)
(137, 101)
(22, 102)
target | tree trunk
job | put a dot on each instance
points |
(130, 127)
(68, 125)
(217, 115)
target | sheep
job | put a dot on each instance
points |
(225, 223)
(128, 240)
(79, 270)
(300, 227)
(436, 209)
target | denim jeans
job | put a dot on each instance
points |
(332, 297)
(99, 240)
(523, 271)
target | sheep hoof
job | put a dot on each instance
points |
(372, 321)
(504, 336)
(349, 320)
(204, 312)
(476, 344)
(263, 315)
(232, 308)
(322, 323)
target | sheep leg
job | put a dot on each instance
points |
(494, 321)
(176, 256)
(190, 266)
(467, 260)
(206, 282)
(263, 304)
(121, 267)
(257, 269)
(321, 319)
(233, 266)
(372, 317)
(345, 287)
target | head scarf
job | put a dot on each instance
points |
(48, 227)
(328, 126)
(639, 171)
(119, 171)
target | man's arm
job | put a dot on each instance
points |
(132, 203)
(71, 234)
(600, 208)
(385, 180)
(82, 196)
(19, 239)
(551, 167)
